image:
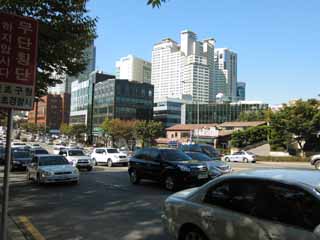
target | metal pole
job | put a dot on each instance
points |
(5, 188)
(198, 119)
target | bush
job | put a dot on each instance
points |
(282, 159)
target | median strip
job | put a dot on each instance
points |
(28, 226)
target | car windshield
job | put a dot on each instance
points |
(76, 153)
(112, 150)
(210, 151)
(199, 156)
(40, 151)
(52, 160)
(21, 154)
(175, 155)
(191, 148)
(19, 144)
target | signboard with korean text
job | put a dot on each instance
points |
(18, 61)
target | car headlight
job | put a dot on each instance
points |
(46, 174)
(184, 168)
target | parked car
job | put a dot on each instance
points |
(18, 145)
(315, 161)
(216, 167)
(37, 151)
(77, 158)
(252, 205)
(35, 145)
(171, 167)
(203, 148)
(58, 148)
(241, 156)
(51, 169)
(20, 158)
(109, 156)
(2, 155)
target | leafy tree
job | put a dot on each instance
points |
(78, 130)
(65, 31)
(253, 116)
(65, 129)
(249, 136)
(148, 131)
(155, 3)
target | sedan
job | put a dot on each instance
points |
(216, 167)
(242, 156)
(262, 204)
(48, 168)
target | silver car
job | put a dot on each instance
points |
(265, 204)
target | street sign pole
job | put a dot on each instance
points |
(5, 188)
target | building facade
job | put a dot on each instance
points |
(184, 69)
(241, 91)
(225, 82)
(51, 111)
(218, 112)
(122, 99)
(133, 69)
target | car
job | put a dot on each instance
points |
(259, 204)
(109, 156)
(216, 167)
(18, 145)
(315, 161)
(77, 158)
(172, 167)
(203, 148)
(20, 158)
(58, 148)
(37, 151)
(35, 145)
(49, 168)
(241, 156)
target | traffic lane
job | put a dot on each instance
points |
(103, 206)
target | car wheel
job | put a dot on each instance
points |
(193, 234)
(134, 178)
(170, 183)
(95, 162)
(227, 159)
(246, 160)
(109, 163)
(317, 165)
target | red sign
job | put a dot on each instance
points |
(18, 61)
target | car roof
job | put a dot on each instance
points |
(299, 176)
(48, 155)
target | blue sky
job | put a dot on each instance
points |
(277, 41)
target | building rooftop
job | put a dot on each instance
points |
(189, 127)
(242, 124)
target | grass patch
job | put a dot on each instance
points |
(282, 159)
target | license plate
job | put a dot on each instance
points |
(203, 175)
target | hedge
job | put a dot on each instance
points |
(282, 159)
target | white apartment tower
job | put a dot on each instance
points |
(133, 69)
(185, 69)
(225, 83)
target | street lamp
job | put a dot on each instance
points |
(198, 109)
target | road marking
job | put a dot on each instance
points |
(30, 228)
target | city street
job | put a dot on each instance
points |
(103, 206)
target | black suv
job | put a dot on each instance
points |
(171, 167)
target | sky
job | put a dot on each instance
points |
(277, 41)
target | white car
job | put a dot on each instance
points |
(77, 158)
(58, 148)
(18, 145)
(315, 161)
(242, 156)
(46, 168)
(109, 156)
(35, 145)
(264, 204)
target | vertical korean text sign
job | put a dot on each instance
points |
(18, 61)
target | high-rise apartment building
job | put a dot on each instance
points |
(133, 69)
(185, 69)
(225, 74)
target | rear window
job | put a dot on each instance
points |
(174, 155)
(21, 154)
(112, 150)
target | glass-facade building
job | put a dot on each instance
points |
(218, 112)
(122, 99)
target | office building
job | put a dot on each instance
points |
(218, 112)
(51, 111)
(184, 69)
(133, 69)
(241, 91)
(122, 99)
(225, 83)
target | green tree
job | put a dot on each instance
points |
(148, 131)
(155, 3)
(78, 131)
(253, 116)
(249, 136)
(65, 31)
(65, 129)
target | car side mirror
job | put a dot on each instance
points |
(317, 231)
